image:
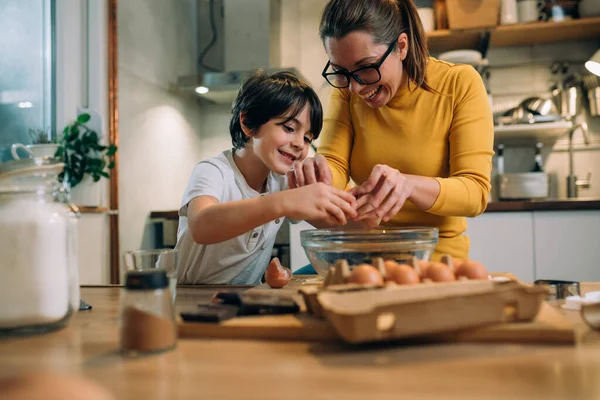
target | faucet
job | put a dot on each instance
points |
(573, 184)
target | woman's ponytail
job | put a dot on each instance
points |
(415, 63)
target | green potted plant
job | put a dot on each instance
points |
(83, 155)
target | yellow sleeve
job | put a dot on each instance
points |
(465, 192)
(337, 137)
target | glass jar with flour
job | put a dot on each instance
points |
(39, 285)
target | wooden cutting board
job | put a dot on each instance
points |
(548, 327)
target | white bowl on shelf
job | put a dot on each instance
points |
(470, 57)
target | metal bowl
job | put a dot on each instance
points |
(539, 106)
(358, 246)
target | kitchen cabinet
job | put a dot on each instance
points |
(567, 245)
(516, 35)
(94, 249)
(503, 242)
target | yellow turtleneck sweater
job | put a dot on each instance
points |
(447, 136)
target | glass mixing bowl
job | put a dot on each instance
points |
(358, 246)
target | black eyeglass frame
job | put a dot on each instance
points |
(349, 74)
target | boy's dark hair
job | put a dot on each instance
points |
(384, 20)
(264, 96)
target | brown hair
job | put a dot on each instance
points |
(384, 20)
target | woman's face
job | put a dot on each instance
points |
(356, 50)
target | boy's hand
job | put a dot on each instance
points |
(309, 171)
(320, 201)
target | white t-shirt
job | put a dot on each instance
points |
(241, 260)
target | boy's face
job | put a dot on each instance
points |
(279, 143)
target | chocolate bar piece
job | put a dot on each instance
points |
(211, 313)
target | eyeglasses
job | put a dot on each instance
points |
(365, 75)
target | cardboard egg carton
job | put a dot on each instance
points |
(367, 313)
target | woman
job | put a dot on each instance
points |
(415, 133)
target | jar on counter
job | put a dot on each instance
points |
(147, 314)
(38, 279)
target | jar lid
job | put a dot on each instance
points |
(146, 279)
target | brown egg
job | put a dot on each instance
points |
(472, 270)
(457, 263)
(390, 268)
(422, 268)
(52, 386)
(365, 273)
(439, 272)
(404, 275)
(276, 275)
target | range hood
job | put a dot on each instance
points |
(234, 37)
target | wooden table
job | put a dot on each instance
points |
(238, 369)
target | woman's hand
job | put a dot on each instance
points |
(311, 170)
(383, 194)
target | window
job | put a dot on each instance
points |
(26, 71)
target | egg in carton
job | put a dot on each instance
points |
(340, 273)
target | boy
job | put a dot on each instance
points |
(235, 203)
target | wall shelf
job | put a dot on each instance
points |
(531, 133)
(516, 35)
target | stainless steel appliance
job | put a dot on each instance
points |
(523, 186)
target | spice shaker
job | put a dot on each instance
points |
(147, 314)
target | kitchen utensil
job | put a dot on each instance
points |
(591, 85)
(593, 97)
(359, 246)
(516, 115)
(539, 106)
(591, 81)
(559, 289)
(567, 97)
